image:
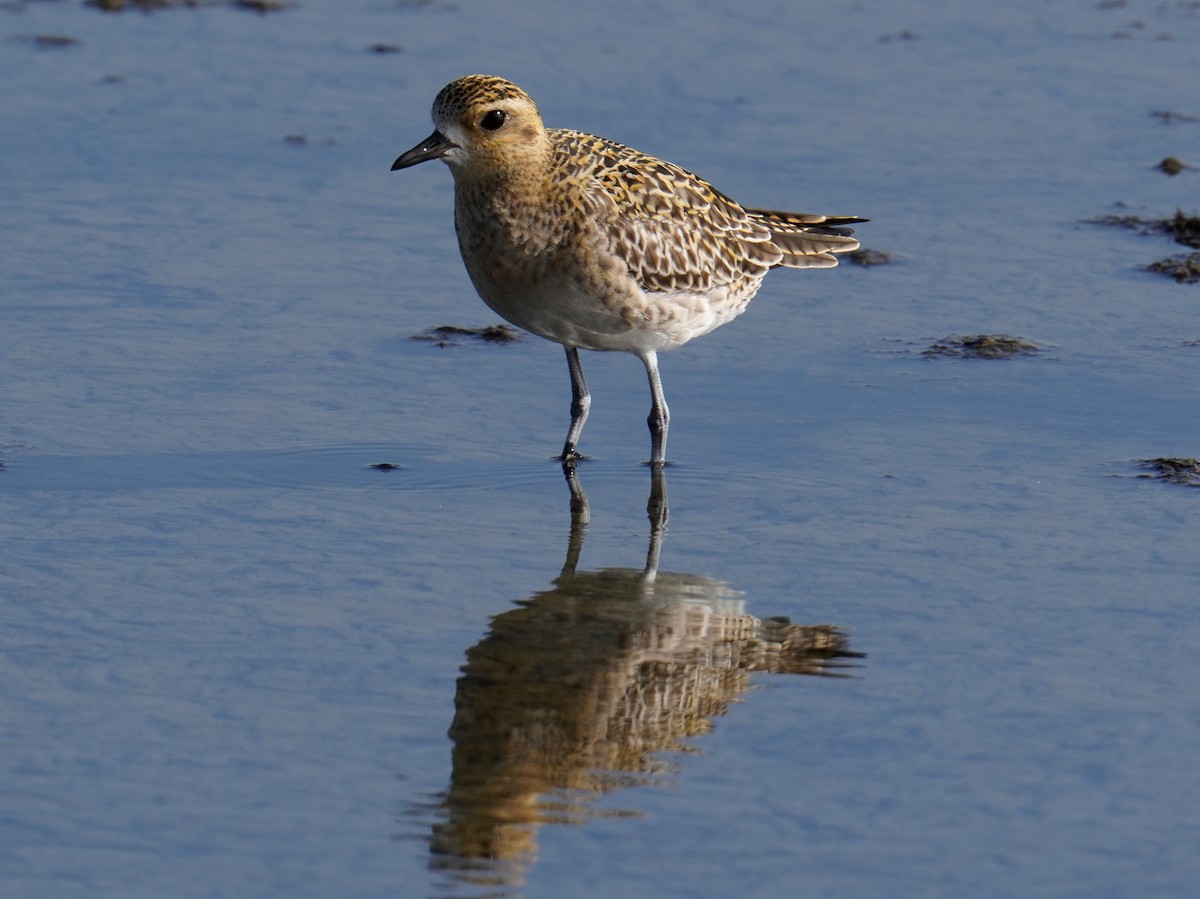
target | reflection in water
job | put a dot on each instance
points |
(573, 694)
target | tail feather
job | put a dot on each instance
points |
(808, 241)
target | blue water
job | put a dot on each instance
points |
(232, 650)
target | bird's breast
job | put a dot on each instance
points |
(552, 270)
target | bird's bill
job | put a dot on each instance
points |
(435, 146)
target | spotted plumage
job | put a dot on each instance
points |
(597, 246)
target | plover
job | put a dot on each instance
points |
(597, 246)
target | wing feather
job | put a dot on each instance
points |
(676, 232)
(673, 230)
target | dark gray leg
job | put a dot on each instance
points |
(581, 402)
(660, 415)
(656, 508)
(580, 515)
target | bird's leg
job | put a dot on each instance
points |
(580, 516)
(581, 402)
(660, 415)
(656, 508)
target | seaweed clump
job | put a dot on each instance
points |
(1185, 269)
(981, 346)
(453, 335)
(1172, 470)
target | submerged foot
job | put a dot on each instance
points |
(570, 456)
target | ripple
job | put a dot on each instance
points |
(363, 466)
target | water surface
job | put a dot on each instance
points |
(240, 660)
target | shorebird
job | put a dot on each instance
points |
(597, 246)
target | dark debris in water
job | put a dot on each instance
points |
(1172, 471)
(383, 48)
(50, 41)
(141, 5)
(1185, 229)
(1181, 227)
(303, 140)
(262, 7)
(867, 258)
(6, 447)
(980, 346)
(1172, 166)
(1168, 117)
(452, 335)
(905, 35)
(1185, 269)
(426, 4)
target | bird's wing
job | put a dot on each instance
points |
(674, 230)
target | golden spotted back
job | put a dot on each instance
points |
(675, 230)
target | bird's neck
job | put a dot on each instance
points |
(507, 194)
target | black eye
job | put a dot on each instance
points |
(493, 120)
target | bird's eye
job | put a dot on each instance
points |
(493, 120)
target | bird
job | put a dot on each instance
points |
(596, 246)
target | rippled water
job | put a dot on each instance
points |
(241, 659)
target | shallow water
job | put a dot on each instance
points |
(231, 648)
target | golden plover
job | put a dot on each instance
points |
(596, 246)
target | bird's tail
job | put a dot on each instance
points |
(809, 241)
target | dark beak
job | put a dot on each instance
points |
(433, 147)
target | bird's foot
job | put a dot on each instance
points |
(570, 456)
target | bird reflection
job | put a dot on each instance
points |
(580, 689)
